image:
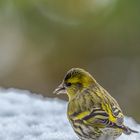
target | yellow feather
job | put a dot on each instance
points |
(108, 110)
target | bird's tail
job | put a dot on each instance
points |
(128, 131)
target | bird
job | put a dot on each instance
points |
(92, 112)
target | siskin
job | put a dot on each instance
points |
(93, 113)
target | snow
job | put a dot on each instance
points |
(26, 116)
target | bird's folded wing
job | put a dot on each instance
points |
(98, 118)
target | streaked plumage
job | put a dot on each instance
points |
(93, 113)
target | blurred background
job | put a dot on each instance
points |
(41, 39)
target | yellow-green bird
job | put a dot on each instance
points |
(93, 113)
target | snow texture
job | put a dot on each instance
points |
(26, 116)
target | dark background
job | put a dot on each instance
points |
(41, 39)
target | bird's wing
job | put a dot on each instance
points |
(97, 118)
(105, 113)
(109, 113)
(111, 107)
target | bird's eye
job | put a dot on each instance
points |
(68, 84)
(79, 84)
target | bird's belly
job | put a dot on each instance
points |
(86, 132)
(112, 132)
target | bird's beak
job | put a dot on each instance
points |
(60, 89)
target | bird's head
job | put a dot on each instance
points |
(75, 80)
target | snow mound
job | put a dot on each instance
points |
(25, 116)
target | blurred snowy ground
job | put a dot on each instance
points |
(25, 116)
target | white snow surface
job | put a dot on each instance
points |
(26, 116)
